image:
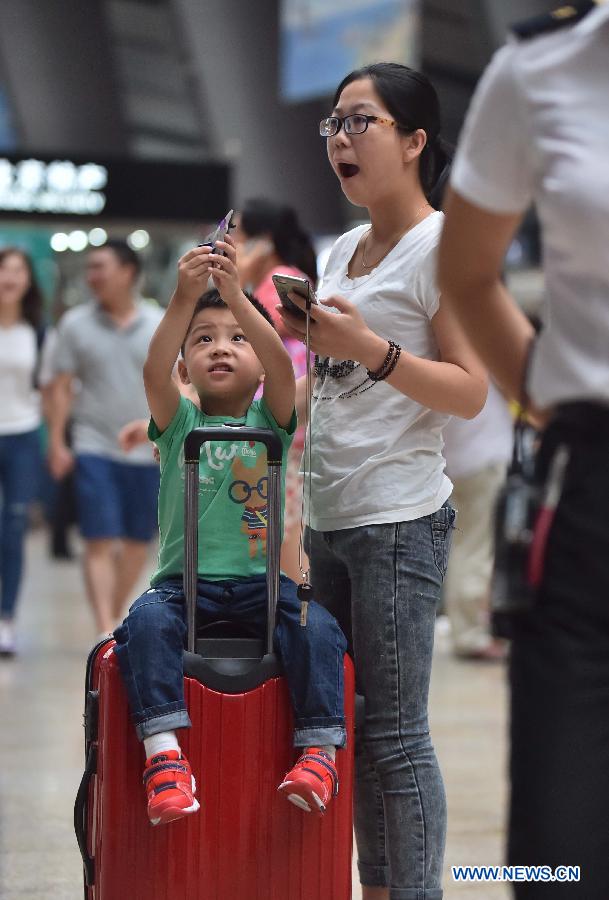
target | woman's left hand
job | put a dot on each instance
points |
(342, 336)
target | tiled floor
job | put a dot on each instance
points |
(41, 755)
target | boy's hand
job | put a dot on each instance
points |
(224, 272)
(133, 434)
(193, 274)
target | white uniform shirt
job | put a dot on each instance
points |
(20, 406)
(376, 454)
(538, 130)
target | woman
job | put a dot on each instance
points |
(270, 240)
(393, 365)
(20, 458)
(551, 87)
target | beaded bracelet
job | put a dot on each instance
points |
(379, 374)
(388, 365)
(394, 361)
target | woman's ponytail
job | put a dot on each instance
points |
(441, 161)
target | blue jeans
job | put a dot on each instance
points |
(20, 469)
(150, 642)
(382, 582)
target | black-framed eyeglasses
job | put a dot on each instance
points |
(241, 491)
(354, 124)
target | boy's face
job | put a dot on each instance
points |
(218, 359)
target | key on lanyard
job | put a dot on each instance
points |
(304, 593)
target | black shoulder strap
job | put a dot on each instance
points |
(558, 18)
(41, 331)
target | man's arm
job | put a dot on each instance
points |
(279, 381)
(57, 399)
(472, 250)
(161, 390)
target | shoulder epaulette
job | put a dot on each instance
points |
(545, 23)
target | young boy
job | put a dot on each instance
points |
(228, 344)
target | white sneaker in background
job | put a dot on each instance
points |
(443, 629)
(7, 638)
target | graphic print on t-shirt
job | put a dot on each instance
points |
(233, 493)
(327, 371)
(250, 488)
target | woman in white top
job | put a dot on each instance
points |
(392, 366)
(20, 459)
(538, 130)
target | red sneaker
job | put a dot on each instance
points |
(170, 786)
(312, 782)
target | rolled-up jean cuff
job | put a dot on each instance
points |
(373, 876)
(332, 736)
(168, 722)
(415, 894)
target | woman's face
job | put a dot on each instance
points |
(14, 279)
(368, 165)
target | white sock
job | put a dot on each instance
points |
(157, 743)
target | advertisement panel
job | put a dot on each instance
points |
(115, 189)
(322, 41)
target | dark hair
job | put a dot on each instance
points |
(292, 244)
(123, 252)
(411, 99)
(212, 300)
(32, 301)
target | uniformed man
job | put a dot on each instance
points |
(538, 131)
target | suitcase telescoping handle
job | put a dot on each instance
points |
(192, 448)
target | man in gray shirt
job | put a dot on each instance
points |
(103, 345)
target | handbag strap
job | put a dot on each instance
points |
(521, 423)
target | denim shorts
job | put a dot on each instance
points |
(115, 499)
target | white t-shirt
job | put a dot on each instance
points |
(471, 445)
(538, 130)
(20, 406)
(376, 454)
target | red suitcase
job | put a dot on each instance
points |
(247, 842)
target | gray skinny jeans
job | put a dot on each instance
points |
(382, 583)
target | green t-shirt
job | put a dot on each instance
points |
(233, 484)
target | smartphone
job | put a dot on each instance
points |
(301, 286)
(219, 233)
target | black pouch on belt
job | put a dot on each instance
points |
(512, 593)
(524, 517)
